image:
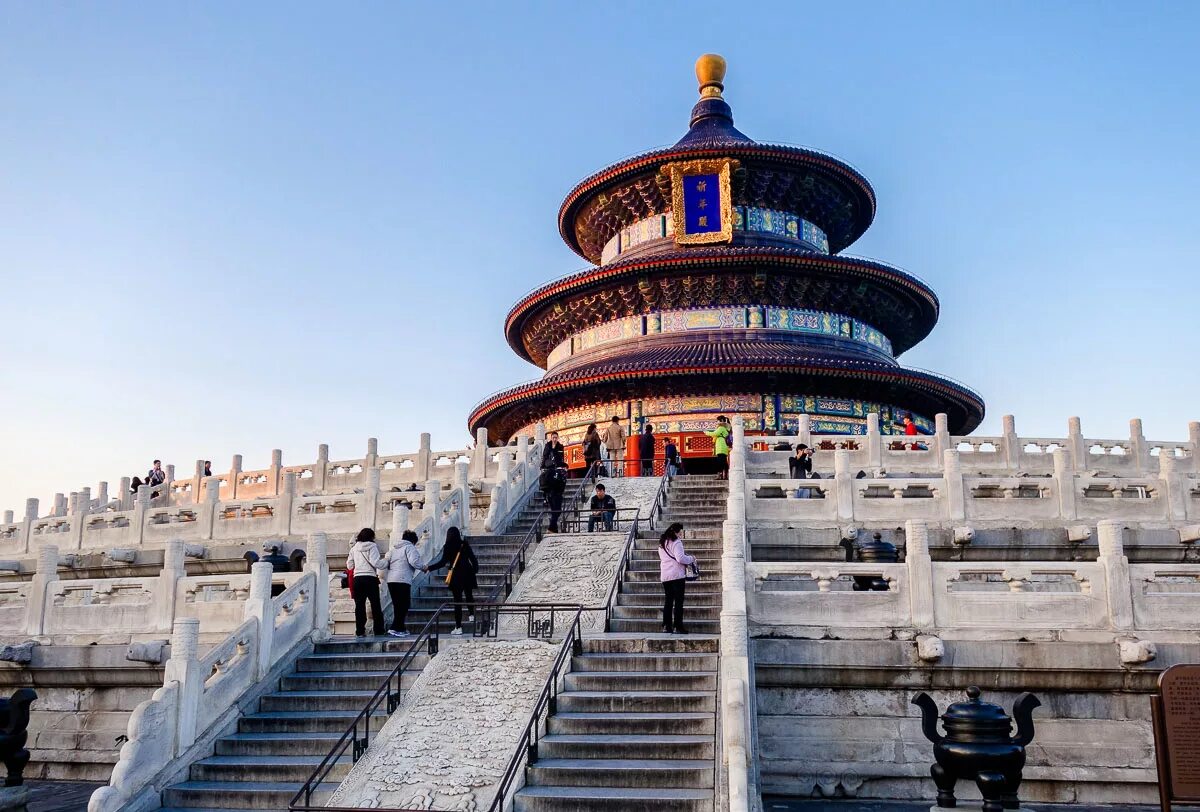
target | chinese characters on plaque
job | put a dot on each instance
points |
(701, 200)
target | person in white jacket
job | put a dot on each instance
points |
(402, 563)
(673, 563)
(364, 559)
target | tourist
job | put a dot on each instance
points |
(614, 444)
(800, 466)
(365, 561)
(554, 477)
(671, 453)
(646, 450)
(155, 476)
(910, 430)
(402, 563)
(461, 579)
(591, 450)
(674, 563)
(720, 437)
(603, 507)
(208, 467)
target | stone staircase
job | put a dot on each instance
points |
(698, 503)
(274, 751)
(635, 728)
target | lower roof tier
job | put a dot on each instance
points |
(896, 303)
(727, 367)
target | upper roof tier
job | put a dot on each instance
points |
(811, 184)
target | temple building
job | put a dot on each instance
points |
(718, 287)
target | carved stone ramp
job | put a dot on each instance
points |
(274, 751)
(635, 729)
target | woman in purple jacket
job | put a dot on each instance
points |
(673, 563)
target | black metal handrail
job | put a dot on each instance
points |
(540, 623)
(526, 751)
(580, 516)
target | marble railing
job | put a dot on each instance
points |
(51, 610)
(1003, 600)
(1169, 497)
(516, 480)
(200, 693)
(875, 452)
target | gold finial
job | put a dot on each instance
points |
(710, 73)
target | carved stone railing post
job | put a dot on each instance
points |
(463, 486)
(207, 514)
(941, 435)
(35, 599)
(424, 458)
(920, 574)
(125, 498)
(198, 483)
(184, 667)
(1173, 485)
(141, 506)
(316, 561)
(399, 523)
(31, 514)
(1110, 537)
(102, 496)
(843, 484)
(1011, 443)
(258, 607)
(804, 430)
(370, 504)
(1138, 448)
(167, 585)
(1077, 445)
(433, 511)
(8, 517)
(60, 505)
(956, 497)
(274, 477)
(539, 433)
(372, 458)
(285, 504)
(321, 469)
(164, 495)
(479, 454)
(235, 475)
(1194, 445)
(874, 442)
(1064, 482)
(500, 503)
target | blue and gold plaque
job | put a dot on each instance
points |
(701, 201)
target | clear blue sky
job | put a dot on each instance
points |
(226, 227)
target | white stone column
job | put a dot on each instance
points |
(1077, 445)
(372, 458)
(424, 458)
(258, 606)
(167, 585)
(920, 574)
(1194, 443)
(1116, 573)
(285, 504)
(874, 442)
(321, 467)
(35, 600)
(539, 433)
(316, 561)
(433, 498)
(369, 509)
(31, 514)
(79, 513)
(844, 485)
(1064, 482)
(462, 485)
(125, 497)
(141, 507)
(956, 492)
(274, 478)
(1011, 443)
(941, 434)
(1138, 448)
(102, 496)
(235, 475)
(60, 505)
(1173, 485)
(399, 523)
(165, 493)
(184, 667)
(479, 454)
(8, 517)
(804, 431)
(198, 483)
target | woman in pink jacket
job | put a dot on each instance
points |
(673, 564)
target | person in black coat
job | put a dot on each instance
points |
(554, 477)
(458, 555)
(646, 450)
(800, 466)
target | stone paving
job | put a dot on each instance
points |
(778, 804)
(60, 796)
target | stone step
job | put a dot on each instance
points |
(237, 769)
(610, 772)
(707, 564)
(342, 646)
(631, 701)
(642, 681)
(696, 596)
(645, 662)
(315, 700)
(608, 799)
(650, 644)
(647, 587)
(363, 661)
(277, 744)
(713, 545)
(691, 612)
(303, 721)
(647, 626)
(633, 575)
(624, 723)
(240, 795)
(627, 746)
